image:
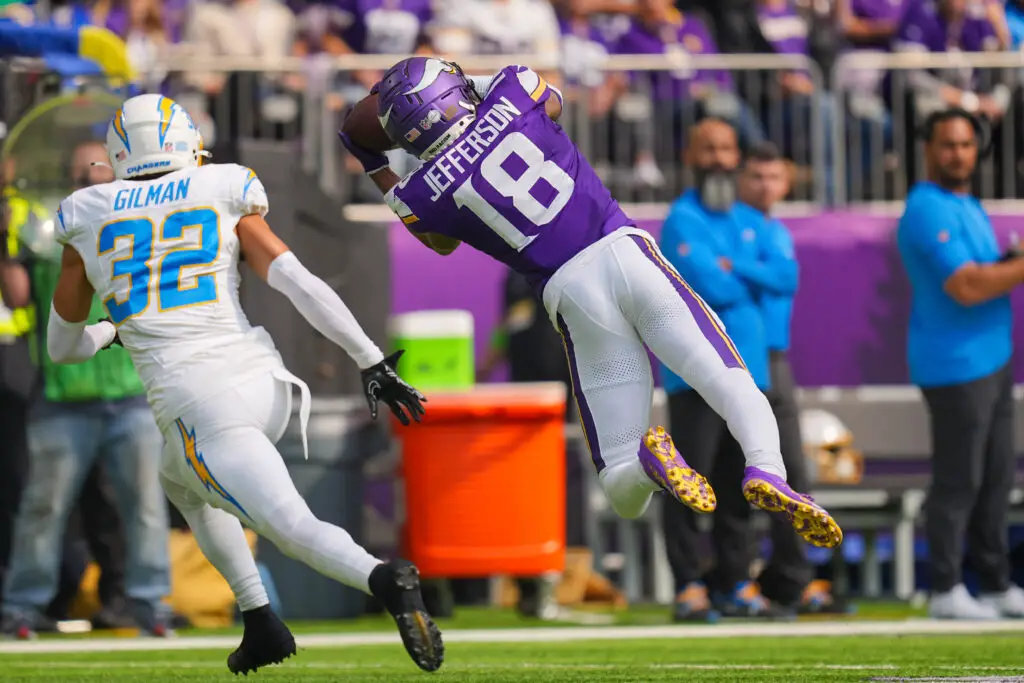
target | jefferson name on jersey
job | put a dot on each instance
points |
(470, 147)
(513, 185)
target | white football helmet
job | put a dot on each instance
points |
(828, 446)
(152, 134)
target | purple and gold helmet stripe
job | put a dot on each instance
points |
(118, 123)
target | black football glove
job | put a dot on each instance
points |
(116, 341)
(381, 383)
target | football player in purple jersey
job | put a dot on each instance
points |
(500, 174)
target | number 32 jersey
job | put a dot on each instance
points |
(513, 186)
(163, 256)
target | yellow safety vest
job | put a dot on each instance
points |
(22, 320)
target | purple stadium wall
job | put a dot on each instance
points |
(849, 320)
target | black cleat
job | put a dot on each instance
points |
(266, 641)
(397, 585)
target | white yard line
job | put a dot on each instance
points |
(553, 666)
(535, 635)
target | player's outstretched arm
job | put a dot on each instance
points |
(271, 259)
(68, 338)
(378, 170)
(321, 306)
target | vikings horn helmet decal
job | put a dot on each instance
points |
(425, 104)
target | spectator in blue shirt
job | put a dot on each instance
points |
(711, 239)
(959, 346)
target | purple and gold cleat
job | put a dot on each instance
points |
(811, 521)
(665, 467)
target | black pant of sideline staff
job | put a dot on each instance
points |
(973, 468)
(94, 530)
(788, 572)
(13, 468)
(706, 444)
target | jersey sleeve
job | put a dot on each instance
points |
(64, 222)
(403, 202)
(523, 85)
(251, 196)
(939, 241)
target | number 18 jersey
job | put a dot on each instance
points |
(162, 255)
(513, 186)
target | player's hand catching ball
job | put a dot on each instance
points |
(371, 161)
(381, 383)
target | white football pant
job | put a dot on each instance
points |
(613, 298)
(220, 466)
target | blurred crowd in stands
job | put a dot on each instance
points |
(633, 123)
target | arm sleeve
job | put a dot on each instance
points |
(323, 308)
(481, 84)
(693, 259)
(928, 231)
(777, 270)
(64, 222)
(76, 342)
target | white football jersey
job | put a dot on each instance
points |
(163, 256)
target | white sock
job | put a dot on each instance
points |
(768, 462)
(627, 487)
(745, 409)
(221, 538)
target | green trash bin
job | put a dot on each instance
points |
(438, 348)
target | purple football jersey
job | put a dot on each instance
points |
(923, 26)
(877, 9)
(683, 34)
(784, 29)
(385, 26)
(513, 186)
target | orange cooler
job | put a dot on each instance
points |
(484, 482)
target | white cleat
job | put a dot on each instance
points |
(959, 604)
(1009, 603)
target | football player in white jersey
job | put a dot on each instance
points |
(160, 246)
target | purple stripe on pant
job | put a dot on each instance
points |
(586, 417)
(698, 309)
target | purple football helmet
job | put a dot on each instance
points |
(424, 104)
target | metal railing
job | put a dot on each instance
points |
(635, 139)
(877, 153)
(855, 144)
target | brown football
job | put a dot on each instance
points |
(363, 126)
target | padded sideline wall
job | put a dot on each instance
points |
(352, 258)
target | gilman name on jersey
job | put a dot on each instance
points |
(471, 147)
(151, 195)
